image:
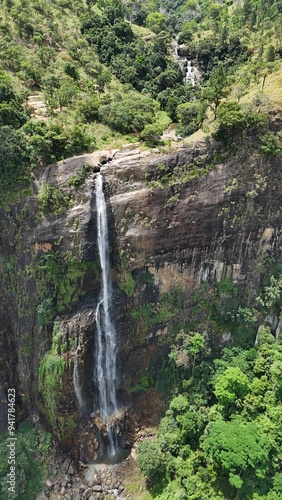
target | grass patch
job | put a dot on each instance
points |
(127, 284)
(163, 120)
(135, 485)
(142, 31)
(271, 94)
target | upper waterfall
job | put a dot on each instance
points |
(189, 77)
(105, 341)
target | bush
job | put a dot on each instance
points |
(233, 121)
(191, 116)
(270, 54)
(152, 133)
(51, 199)
(150, 460)
(32, 447)
(88, 109)
(269, 144)
(130, 114)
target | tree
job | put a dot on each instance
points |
(191, 116)
(14, 153)
(11, 110)
(152, 133)
(66, 93)
(103, 78)
(168, 79)
(270, 145)
(6, 87)
(196, 345)
(71, 70)
(187, 347)
(216, 87)
(239, 450)
(151, 460)
(130, 113)
(232, 121)
(155, 21)
(88, 109)
(270, 54)
(231, 387)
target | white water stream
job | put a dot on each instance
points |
(105, 340)
(76, 383)
(189, 77)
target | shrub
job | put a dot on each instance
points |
(269, 144)
(270, 54)
(150, 460)
(51, 199)
(233, 121)
(32, 448)
(191, 116)
(152, 133)
(131, 113)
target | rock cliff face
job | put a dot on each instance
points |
(175, 221)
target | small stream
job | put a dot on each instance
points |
(192, 74)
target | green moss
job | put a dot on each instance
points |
(52, 200)
(51, 369)
(50, 381)
(145, 382)
(75, 225)
(127, 284)
(149, 315)
(59, 282)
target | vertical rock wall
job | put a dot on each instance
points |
(167, 238)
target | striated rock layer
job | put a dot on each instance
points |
(170, 230)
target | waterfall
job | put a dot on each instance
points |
(76, 383)
(105, 341)
(189, 77)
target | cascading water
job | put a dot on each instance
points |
(105, 341)
(189, 77)
(76, 383)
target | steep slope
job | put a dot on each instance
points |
(165, 242)
(195, 237)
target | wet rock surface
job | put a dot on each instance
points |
(94, 482)
(163, 236)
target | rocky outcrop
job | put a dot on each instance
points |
(188, 232)
(176, 220)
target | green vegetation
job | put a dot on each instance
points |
(104, 70)
(50, 382)
(146, 381)
(149, 314)
(233, 122)
(50, 373)
(79, 177)
(166, 176)
(33, 448)
(51, 199)
(104, 74)
(59, 282)
(127, 284)
(220, 437)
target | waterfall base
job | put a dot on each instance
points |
(120, 455)
(94, 439)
